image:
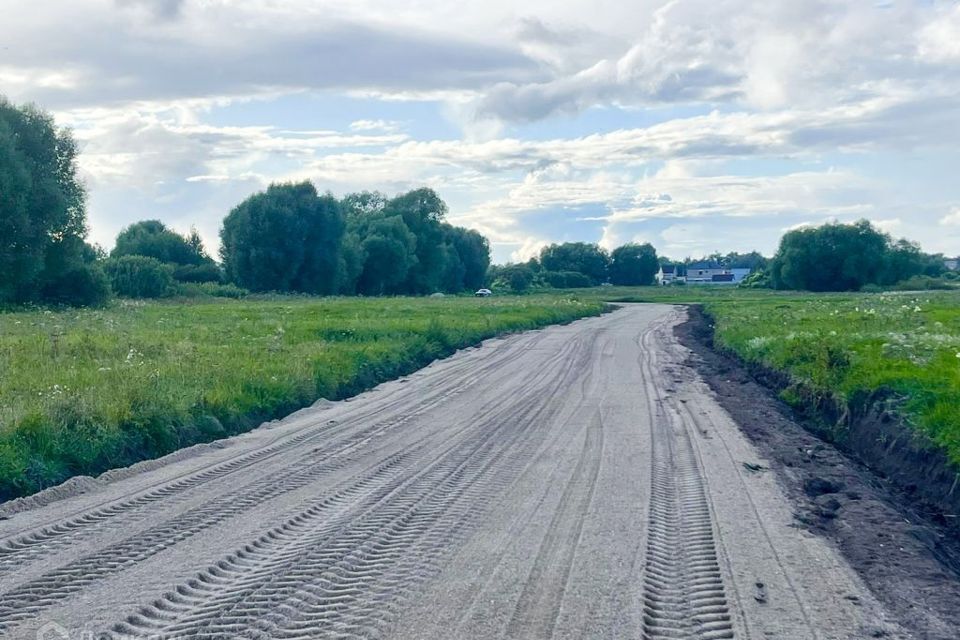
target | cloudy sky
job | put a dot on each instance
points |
(697, 125)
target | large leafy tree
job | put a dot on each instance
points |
(155, 240)
(842, 257)
(753, 260)
(43, 255)
(634, 264)
(365, 203)
(408, 248)
(287, 238)
(423, 211)
(582, 257)
(390, 253)
(472, 251)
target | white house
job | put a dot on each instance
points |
(668, 274)
(709, 272)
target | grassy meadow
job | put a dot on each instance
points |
(82, 391)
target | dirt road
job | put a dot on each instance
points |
(574, 482)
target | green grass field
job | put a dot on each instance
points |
(85, 391)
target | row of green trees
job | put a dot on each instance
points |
(580, 264)
(290, 238)
(753, 260)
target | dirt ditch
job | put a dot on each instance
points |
(884, 499)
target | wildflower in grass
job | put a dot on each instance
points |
(759, 342)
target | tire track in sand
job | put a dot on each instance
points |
(540, 602)
(344, 581)
(683, 590)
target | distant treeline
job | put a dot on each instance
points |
(579, 264)
(290, 238)
(831, 257)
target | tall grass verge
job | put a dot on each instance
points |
(86, 391)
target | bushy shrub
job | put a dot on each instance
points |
(206, 272)
(566, 279)
(916, 283)
(210, 290)
(139, 277)
(513, 277)
(756, 280)
(83, 286)
(922, 283)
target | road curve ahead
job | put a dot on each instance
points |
(574, 482)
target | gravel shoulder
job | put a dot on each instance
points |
(577, 481)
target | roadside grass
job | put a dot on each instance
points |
(852, 347)
(86, 391)
(904, 345)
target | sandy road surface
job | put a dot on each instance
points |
(574, 482)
